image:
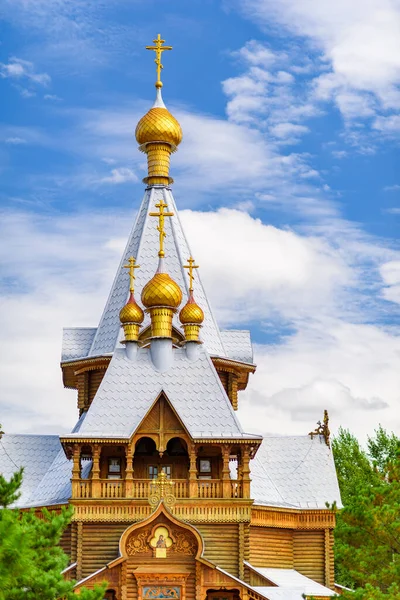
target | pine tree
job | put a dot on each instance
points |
(367, 536)
(31, 560)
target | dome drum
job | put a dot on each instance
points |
(192, 332)
(161, 321)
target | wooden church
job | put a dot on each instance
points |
(172, 499)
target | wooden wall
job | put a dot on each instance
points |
(309, 554)
(99, 545)
(222, 545)
(271, 547)
(65, 541)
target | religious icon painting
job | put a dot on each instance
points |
(161, 541)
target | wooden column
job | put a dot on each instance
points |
(226, 478)
(246, 472)
(129, 451)
(76, 471)
(96, 486)
(193, 487)
(79, 532)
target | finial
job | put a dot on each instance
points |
(161, 215)
(323, 429)
(132, 266)
(158, 49)
(190, 266)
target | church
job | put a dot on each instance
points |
(172, 499)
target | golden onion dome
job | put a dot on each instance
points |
(158, 125)
(161, 290)
(191, 312)
(131, 312)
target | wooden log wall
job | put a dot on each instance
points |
(271, 547)
(66, 540)
(309, 554)
(99, 545)
(222, 545)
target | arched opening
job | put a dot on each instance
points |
(223, 594)
(110, 595)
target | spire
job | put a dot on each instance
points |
(131, 315)
(191, 315)
(158, 133)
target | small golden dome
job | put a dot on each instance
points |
(158, 125)
(191, 312)
(161, 291)
(131, 312)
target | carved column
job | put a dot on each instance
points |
(76, 471)
(79, 532)
(193, 487)
(129, 471)
(246, 472)
(226, 478)
(96, 485)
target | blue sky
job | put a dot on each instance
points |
(290, 114)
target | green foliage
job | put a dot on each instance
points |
(31, 561)
(367, 536)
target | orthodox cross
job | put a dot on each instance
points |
(131, 266)
(190, 267)
(161, 216)
(158, 49)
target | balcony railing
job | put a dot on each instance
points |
(142, 488)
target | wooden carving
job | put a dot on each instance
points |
(137, 543)
(184, 544)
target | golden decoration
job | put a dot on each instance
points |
(161, 489)
(137, 543)
(161, 220)
(184, 544)
(323, 429)
(158, 133)
(191, 315)
(161, 290)
(131, 315)
(158, 48)
(190, 266)
(158, 125)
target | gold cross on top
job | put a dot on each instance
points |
(161, 215)
(131, 266)
(190, 267)
(158, 49)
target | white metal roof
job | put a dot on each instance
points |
(129, 389)
(291, 585)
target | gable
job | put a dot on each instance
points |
(161, 419)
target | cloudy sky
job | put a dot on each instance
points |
(288, 182)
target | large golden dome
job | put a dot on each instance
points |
(162, 290)
(131, 312)
(191, 312)
(158, 125)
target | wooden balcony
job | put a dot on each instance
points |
(141, 489)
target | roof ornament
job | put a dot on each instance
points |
(190, 266)
(160, 228)
(191, 315)
(132, 266)
(158, 48)
(131, 315)
(323, 429)
(158, 133)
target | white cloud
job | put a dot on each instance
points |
(326, 364)
(392, 188)
(359, 42)
(19, 69)
(120, 175)
(15, 141)
(275, 272)
(390, 273)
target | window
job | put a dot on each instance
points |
(114, 468)
(205, 465)
(154, 470)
